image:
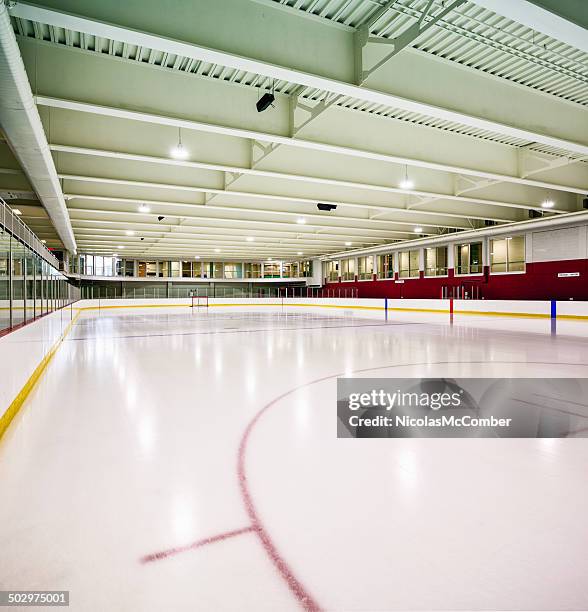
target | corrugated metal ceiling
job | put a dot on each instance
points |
(469, 35)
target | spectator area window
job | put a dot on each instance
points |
(436, 261)
(233, 270)
(365, 267)
(332, 270)
(386, 266)
(252, 270)
(408, 264)
(507, 254)
(468, 258)
(348, 269)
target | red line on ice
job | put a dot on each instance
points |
(163, 554)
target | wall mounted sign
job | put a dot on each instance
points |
(399, 282)
(567, 274)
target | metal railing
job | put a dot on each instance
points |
(13, 225)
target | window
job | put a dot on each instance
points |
(186, 269)
(197, 269)
(271, 270)
(232, 270)
(436, 261)
(386, 266)
(129, 267)
(108, 266)
(468, 258)
(507, 254)
(119, 267)
(175, 268)
(305, 268)
(332, 270)
(289, 270)
(347, 269)
(408, 264)
(216, 269)
(90, 265)
(252, 270)
(365, 267)
(151, 268)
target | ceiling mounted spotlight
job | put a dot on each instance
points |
(179, 151)
(196, 256)
(418, 230)
(250, 239)
(326, 207)
(143, 208)
(348, 243)
(301, 220)
(16, 211)
(406, 183)
(120, 246)
(300, 253)
(44, 241)
(130, 233)
(266, 100)
(217, 250)
(549, 203)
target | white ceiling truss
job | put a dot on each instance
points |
(485, 116)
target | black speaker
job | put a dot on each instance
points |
(585, 203)
(327, 207)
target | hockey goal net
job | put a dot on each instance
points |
(199, 301)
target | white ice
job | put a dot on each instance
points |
(129, 446)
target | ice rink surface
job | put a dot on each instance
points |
(187, 459)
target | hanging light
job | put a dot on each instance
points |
(179, 151)
(406, 183)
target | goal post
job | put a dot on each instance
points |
(199, 301)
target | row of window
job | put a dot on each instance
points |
(506, 255)
(98, 265)
(29, 286)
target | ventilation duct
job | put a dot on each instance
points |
(24, 132)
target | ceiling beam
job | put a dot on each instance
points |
(286, 198)
(165, 44)
(355, 230)
(300, 143)
(308, 179)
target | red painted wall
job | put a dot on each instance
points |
(539, 282)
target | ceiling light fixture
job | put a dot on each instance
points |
(130, 233)
(300, 253)
(348, 243)
(301, 220)
(406, 183)
(44, 241)
(250, 239)
(549, 203)
(16, 211)
(120, 246)
(196, 256)
(418, 229)
(179, 151)
(143, 208)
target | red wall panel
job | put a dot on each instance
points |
(539, 282)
